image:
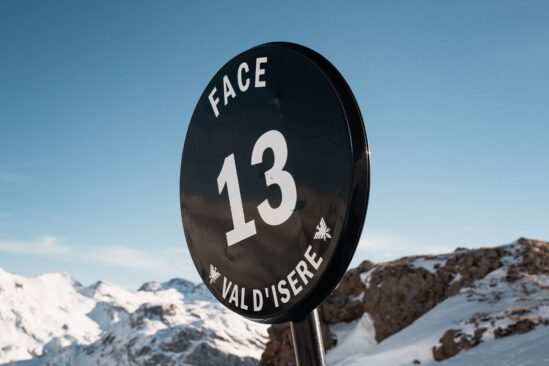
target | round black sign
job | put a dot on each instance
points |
(274, 182)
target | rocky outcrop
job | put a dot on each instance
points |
(279, 350)
(395, 294)
(535, 259)
(454, 341)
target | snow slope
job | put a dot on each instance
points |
(491, 308)
(31, 314)
(528, 349)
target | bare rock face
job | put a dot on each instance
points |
(395, 294)
(535, 258)
(454, 341)
(398, 294)
(520, 327)
(280, 348)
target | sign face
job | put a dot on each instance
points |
(274, 182)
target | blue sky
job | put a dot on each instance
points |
(95, 99)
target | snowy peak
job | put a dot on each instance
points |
(178, 284)
(31, 314)
(189, 290)
(52, 319)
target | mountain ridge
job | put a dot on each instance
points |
(171, 323)
(470, 305)
(429, 308)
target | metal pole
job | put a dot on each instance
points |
(308, 345)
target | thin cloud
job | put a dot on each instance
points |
(384, 246)
(48, 245)
(126, 257)
(162, 261)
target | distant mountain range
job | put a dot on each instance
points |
(485, 306)
(53, 320)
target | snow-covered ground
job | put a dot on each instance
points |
(501, 318)
(488, 306)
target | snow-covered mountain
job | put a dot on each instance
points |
(486, 307)
(53, 320)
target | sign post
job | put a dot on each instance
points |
(274, 187)
(307, 337)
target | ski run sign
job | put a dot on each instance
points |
(274, 182)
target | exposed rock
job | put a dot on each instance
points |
(345, 304)
(147, 312)
(520, 327)
(453, 341)
(279, 351)
(208, 355)
(535, 256)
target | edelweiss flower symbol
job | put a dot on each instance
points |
(322, 230)
(214, 274)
